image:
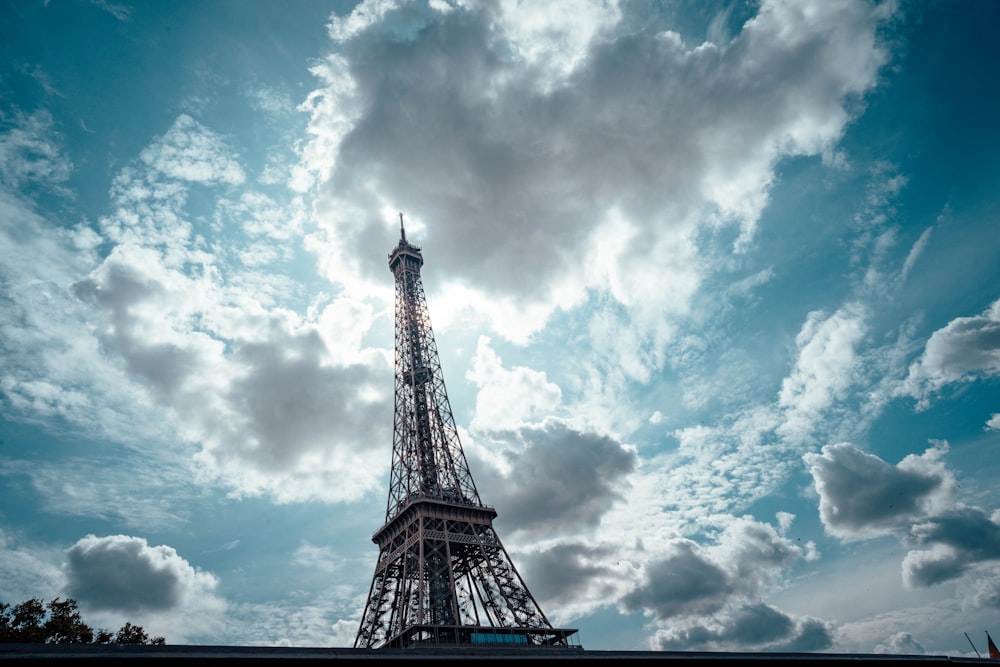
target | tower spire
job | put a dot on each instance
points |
(443, 578)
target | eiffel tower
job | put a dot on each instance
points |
(442, 578)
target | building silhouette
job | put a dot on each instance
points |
(443, 578)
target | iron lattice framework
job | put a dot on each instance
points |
(442, 577)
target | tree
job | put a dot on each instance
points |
(134, 634)
(65, 626)
(59, 622)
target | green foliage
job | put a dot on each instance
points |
(59, 622)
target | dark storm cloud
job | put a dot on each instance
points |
(560, 479)
(125, 574)
(862, 495)
(509, 168)
(756, 625)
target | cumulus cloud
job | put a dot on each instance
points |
(965, 349)
(51, 369)
(557, 479)
(118, 576)
(538, 159)
(684, 582)
(982, 591)
(709, 596)
(993, 423)
(695, 579)
(593, 158)
(862, 496)
(508, 398)
(125, 573)
(277, 402)
(901, 643)
(272, 413)
(573, 577)
(141, 329)
(959, 540)
(758, 626)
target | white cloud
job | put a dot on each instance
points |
(53, 367)
(29, 571)
(125, 573)
(965, 349)
(270, 410)
(508, 399)
(120, 12)
(983, 590)
(30, 152)
(915, 252)
(901, 643)
(592, 152)
(758, 626)
(260, 216)
(555, 38)
(824, 369)
(572, 578)
(142, 487)
(958, 541)
(162, 340)
(533, 155)
(343, 634)
(313, 557)
(189, 152)
(993, 423)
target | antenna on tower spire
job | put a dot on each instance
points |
(402, 230)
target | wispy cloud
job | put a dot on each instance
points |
(120, 12)
(30, 152)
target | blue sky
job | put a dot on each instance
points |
(714, 286)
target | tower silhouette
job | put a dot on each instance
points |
(442, 578)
